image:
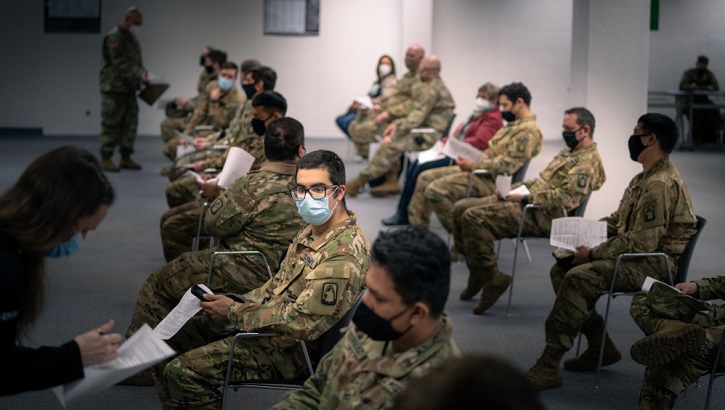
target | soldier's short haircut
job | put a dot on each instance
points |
(271, 101)
(583, 117)
(663, 127)
(327, 160)
(217, 56)
(249, 65)
(514, 91)
(229, 66)
(266, 75)
(283, 138)
(703, 59)
(418, 263)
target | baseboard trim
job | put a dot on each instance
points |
(21, 131)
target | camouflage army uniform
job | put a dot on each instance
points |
(705, 121)
(654, 215)
(568, 179)
(660, 311)
(320, 279)
(360, 373)
(438, 189)
(120, 78)
(176, 117)
(207, 112)
(363, 129)
(256, 213)
(432, 108)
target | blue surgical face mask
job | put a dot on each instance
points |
(315, 211)
(225, 83)
(63, 249)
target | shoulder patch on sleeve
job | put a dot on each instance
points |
(112, 44)
(582, 180)
(329, 294)
(215, 206)
(649, 213)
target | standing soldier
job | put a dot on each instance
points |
(122, 74)
(567, 181)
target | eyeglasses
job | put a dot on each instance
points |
(316, 192)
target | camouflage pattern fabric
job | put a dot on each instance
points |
(256, 213)
(217, 113)
(178, 227)
(360, 374)
(319, 281)
(119, 119)
(660, 310)
(654, 215)
(508, 150)
(567, 180)
(432, 108)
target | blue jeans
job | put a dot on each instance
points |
(411, 178)
(343, 121)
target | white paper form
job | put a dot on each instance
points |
(431, 154)
(503, 184)
(520, 190)
(237, 165)
(458, 149)
(188, 306)
(364, 101)
(573, 231)
(142, 350)
(183, 136)
(182, 150)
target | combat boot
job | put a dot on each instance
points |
(592, 330)
(666, 346)
(475, 283)
(128, 163)
(352, 188)
(546, 374)
(391, 186)
(492, 289)
(456, 256)
(108, 165)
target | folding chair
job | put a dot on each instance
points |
(410, 155)
(683, 265)
(197, 239)
(329, 340)
(520, 239)
(250, 253)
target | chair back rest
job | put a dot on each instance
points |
(683, 263)
(579, 210)
(332, 336)
(447, 131)
(519, 175)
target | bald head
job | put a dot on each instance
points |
(413, 55)
(132, 17)
(430, 68)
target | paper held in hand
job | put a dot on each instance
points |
(142, 350)
(237, 165)
(573, 231)
(364, 101)
(503, 184)
(183, 136)
(458, 149)
(188, 306)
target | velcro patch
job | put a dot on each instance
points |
(329, 294)
(581, 180)
(521, 145)
(309, 260)
(112, 44)
(216, 206)
(649, 213)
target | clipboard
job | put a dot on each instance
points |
(152, 92)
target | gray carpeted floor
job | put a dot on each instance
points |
(102, 280)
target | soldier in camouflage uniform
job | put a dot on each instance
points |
(122, 74)
(509, 149)
(180, 224)
(684, 334)
(654, 215)
(216, 107)
(266, 108)
(255, 214)
(408, 284)
(176, 118)
(366, 127)
(567, 181)
(320, 279)
(432, 108)
(704, 120)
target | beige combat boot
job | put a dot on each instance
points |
(475, 283)
(667, 345)
(492, 288)
(391, 186)
(352, 188)
(108, 165)
(592, 330)
(128, 163)
(545, 374)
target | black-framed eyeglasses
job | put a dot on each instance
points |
(316, 192)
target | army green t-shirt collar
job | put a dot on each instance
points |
(279, 167)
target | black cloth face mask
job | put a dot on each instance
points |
(636, 146)
(570, 138)
(375, 326)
